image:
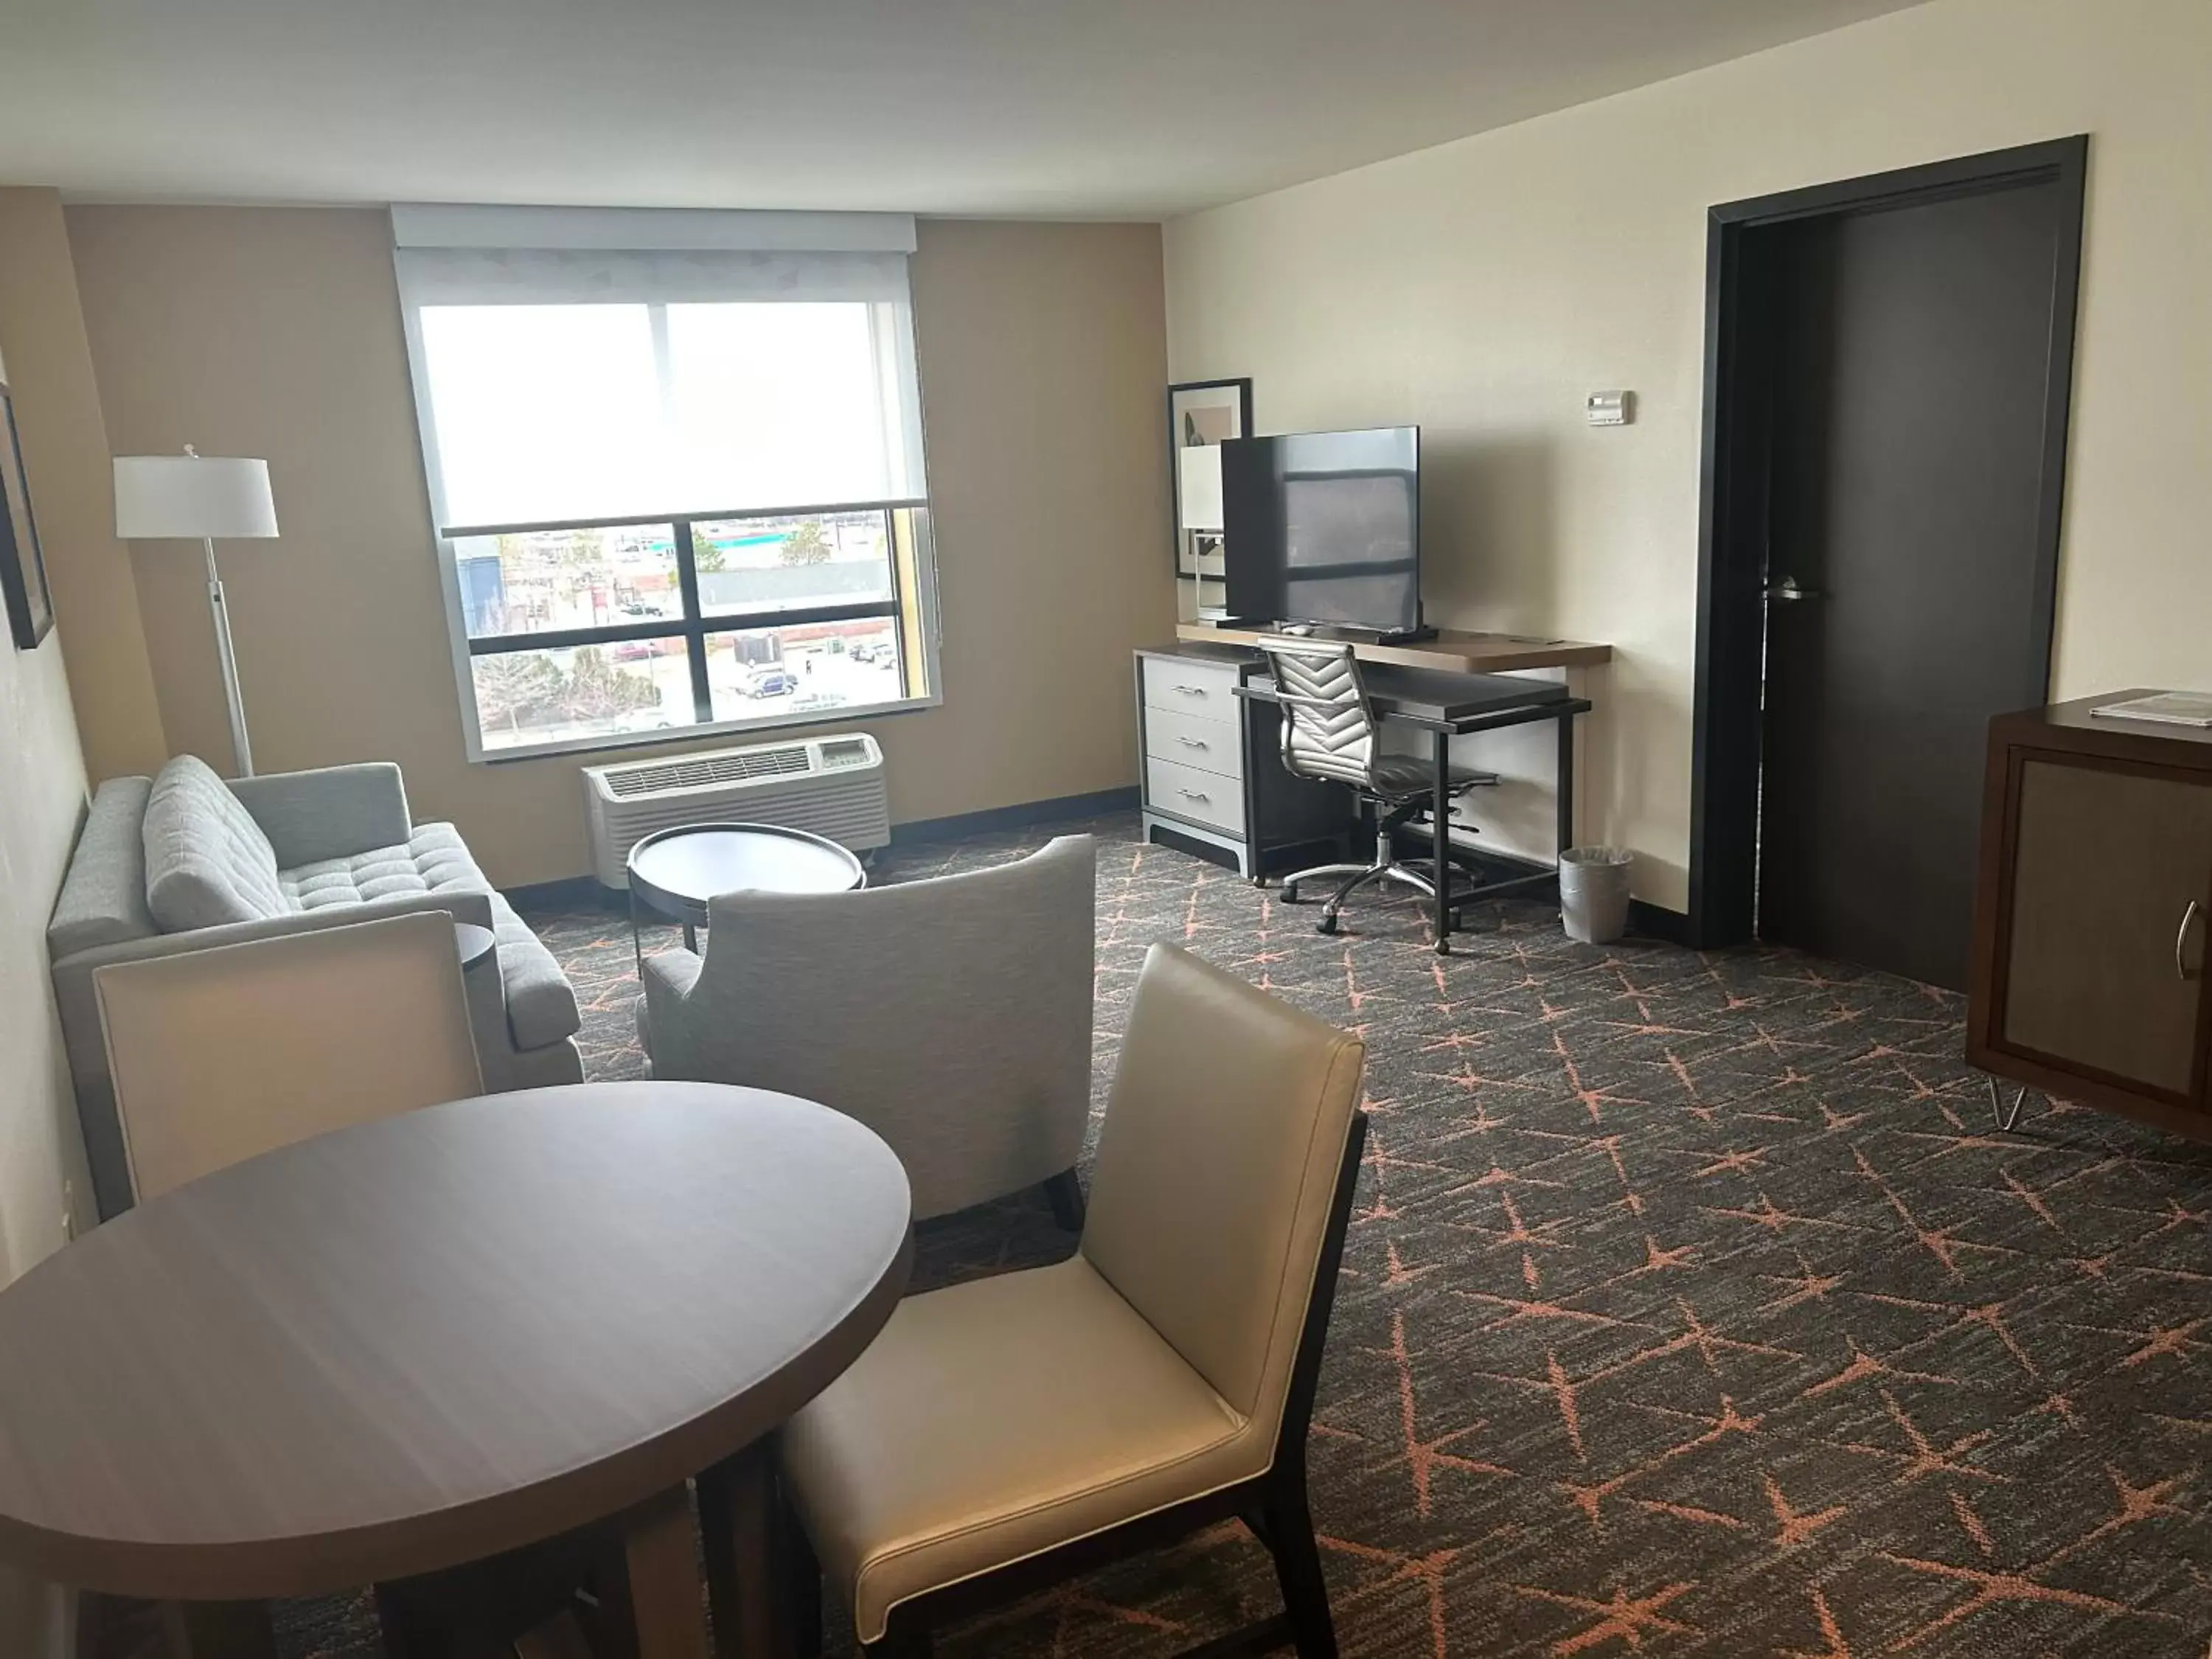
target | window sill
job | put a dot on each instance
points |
(665, 736)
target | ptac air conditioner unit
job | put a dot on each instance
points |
(832, 786)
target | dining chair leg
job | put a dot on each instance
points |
(739, 1528)
(663, 1569)
(1065, 1194)
(221, 1629)
(1290, 1536)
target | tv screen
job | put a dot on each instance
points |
(1325, 527)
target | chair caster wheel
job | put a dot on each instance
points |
(1327, 924)
(1288, 895)
(1443, 947)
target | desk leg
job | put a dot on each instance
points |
(1440, 837)
(738, 1525)
(1566, 791)
(221, 1629)
(662, 1565)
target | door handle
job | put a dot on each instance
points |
(2181, 970)
(1786, 588)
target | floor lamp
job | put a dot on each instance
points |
(200, 498)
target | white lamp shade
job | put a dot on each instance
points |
(1201, 467)
(194, 496)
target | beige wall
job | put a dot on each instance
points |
(276, 331)
(42, 336)
(1483, 287)
(42, 785)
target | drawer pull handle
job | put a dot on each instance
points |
(1191, 742)
(1193, 795)
(2181, 970)
(1192, 690)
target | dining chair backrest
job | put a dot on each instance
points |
(220, 1054)
(1219, 1172)
(1329, 728)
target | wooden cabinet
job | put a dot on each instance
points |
(2096, 880)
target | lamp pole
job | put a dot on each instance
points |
(221, 611)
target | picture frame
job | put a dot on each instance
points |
(22, 564)
(1202, 413)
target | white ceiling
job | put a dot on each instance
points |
(1139, 108)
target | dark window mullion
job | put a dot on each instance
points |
(694, 632)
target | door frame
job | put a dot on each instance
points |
(1725, 720)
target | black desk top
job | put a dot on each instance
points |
(1436, 694)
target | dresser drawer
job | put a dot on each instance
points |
(1205, 798)
(1205, 688)
(1211, 745)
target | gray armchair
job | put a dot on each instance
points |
(951, 1016)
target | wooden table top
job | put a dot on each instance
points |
(1454, 650)
(432, 1338)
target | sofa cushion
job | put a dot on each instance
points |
(433, 859)
(207, 862)
(541, 1007)
(103, 897)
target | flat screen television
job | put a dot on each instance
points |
(1325, 527)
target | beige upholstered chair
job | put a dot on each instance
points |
(1010, 1431)
(950, 1016)
(223, 1053)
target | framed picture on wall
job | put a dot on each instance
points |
(1201, 415)
(22, 568)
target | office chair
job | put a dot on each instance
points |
(1330, 732)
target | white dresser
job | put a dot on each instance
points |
(1211, 766)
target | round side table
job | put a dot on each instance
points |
(675, 874)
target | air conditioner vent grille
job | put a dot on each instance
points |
(733, 766)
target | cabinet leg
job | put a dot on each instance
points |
(2007, 1117)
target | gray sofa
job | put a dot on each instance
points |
(187, 861)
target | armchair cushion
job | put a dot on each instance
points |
(996, 1418)
(207, 862)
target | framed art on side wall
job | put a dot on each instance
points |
(22, 568)
(1201, 415)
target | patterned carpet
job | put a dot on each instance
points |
(1692, 1307)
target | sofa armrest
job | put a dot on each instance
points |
(332, 812)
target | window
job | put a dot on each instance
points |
(675, 468)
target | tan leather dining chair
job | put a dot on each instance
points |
(221, 1055)
(1011, 1431)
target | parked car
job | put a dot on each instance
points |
(767, 680)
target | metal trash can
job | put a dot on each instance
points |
(1594, 892)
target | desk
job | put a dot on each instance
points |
(1447, 706)
(1454, 650)
(430, 1338)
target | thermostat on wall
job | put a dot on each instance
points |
(1610, 408)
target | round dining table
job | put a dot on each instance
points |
(440, 1337)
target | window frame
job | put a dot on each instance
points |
(914, 616)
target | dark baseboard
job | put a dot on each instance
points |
(571, 893)
(1656, 921)
(1094, 804)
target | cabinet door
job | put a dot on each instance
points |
(2104, 963)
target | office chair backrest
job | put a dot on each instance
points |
(1219, 1179)
(1328, 728)
(221, 1055)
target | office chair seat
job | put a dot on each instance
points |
(1398, 777)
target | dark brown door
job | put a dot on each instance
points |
(1907, 355)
